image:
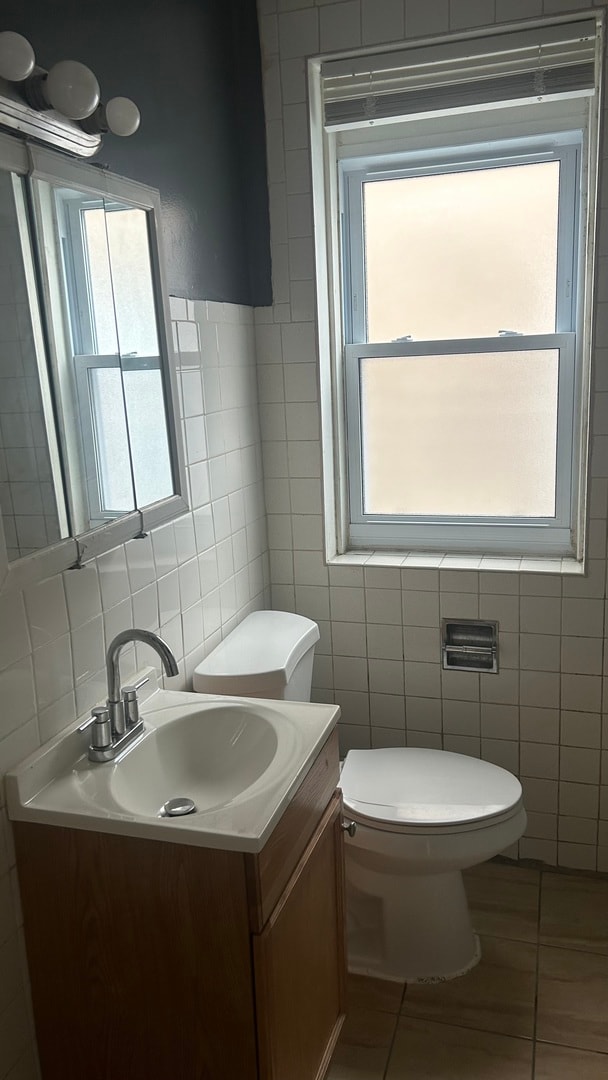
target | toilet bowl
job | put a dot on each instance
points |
(421, 816)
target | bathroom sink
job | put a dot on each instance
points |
(238, 760)
(212, 756)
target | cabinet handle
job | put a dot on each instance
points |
(349, 827)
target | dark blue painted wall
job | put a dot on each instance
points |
(193, 67)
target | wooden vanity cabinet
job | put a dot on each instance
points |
(151, 959)
(299, 962)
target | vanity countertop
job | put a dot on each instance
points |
(240, 759)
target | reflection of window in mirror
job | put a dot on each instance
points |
(105, 340)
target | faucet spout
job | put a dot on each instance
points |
(115, 648)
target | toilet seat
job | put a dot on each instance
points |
(413, 790)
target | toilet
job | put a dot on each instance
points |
(420, 817)
(268, 655)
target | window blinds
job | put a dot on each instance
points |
(535, 64)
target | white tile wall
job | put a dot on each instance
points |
(545, 714)
(191, 580)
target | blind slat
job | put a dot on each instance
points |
(544, 62)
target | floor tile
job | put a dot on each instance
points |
(574, 912)
(497, 995)
(503, 907)
(498, 871)
(428, 1051)
(365, 992)
(368, 1027)
(358, 1063)
(573, 998)
(562, 1063)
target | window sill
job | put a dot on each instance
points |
(441, 561)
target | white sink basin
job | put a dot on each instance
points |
(212, 756)
(239, 760)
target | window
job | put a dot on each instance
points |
(459, 359)
(457, 209)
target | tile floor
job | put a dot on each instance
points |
(536, 1007)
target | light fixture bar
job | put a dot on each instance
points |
(48, 126)
(61, 106)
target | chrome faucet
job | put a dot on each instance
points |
(117, 724)
(116, 704)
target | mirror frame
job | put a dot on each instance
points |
(37, 163)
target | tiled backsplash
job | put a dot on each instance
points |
(191, 580)
(544, 716)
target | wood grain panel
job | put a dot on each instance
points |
(269, 871)
(139, 955)
(299, 962)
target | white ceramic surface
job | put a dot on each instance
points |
(419, 787)
(240, 761)
(423, 816)
(262, 652)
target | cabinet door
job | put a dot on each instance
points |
(300, 961)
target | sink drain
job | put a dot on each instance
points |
(178, 807)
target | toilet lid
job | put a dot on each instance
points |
(426, 787)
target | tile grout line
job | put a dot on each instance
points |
(573, 1046)
(392, 1045)
(468, 1027)
(537, 980)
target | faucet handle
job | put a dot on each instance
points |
(97, 712)
(131, 705)
(101, 734)
(129, 693)
(99, 721)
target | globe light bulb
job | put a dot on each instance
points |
(16, 57)
(122, 116)
(72, 89)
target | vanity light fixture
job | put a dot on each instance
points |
(120, 116)
(17, 58)
(61, 106)
(69, 87)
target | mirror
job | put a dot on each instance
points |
(87, 435)
(32, 515)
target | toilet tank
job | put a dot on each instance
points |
(268, 655)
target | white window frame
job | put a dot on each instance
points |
(549, 536)
(331, 144)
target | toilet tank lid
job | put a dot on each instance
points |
(264, 643)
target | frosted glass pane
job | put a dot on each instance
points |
(462, 254)
(132, 282)
(111, 441)
(100, 282)
(464, 435)
(147, 426)
(121, 281)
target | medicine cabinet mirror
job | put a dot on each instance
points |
(89, 453)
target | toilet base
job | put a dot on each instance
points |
(415, 928)
(379, 973)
